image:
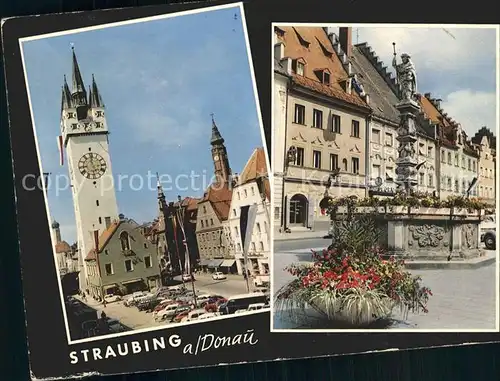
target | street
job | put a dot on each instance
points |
(462, 299)
(134, 319)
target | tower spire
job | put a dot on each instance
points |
(78, 89)
(66, 95)
(95, 99)
(216, 136)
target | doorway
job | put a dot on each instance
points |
(298, 210)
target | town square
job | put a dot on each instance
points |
(384, 200)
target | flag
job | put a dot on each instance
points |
(247, 221)
(187, 263)
(61, 149)
(96, 250)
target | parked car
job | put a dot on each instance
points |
(178, 318)
(256, 306)
(147, 305)
(187, 277)
(183, 310)
(193, 315)
(489, 237)
(218, 276)
(207, 315)
(162, 306)
(115, 326)
(167, 312)
(261, 281)
(213, 305)
(110, 298)
(131, 299)
(241, 302)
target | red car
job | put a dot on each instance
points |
(213, 305)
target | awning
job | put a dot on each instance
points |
(228, 263)
(133, 281)
(204, 262)
(108, 286)
(215, 263)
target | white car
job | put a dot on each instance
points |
(256, 306)
(110, 298)
(194, 315)
(187, 277)
(207, 315)
(218, 276)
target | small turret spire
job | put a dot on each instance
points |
(95, 99)
(65, 96)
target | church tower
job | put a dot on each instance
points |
(84, 135)
(219, 156)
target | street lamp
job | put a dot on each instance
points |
(290, 157)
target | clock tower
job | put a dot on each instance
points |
(84, 135)
(219, 156)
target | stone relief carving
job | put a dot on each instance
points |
(469, 236)
(427, 235)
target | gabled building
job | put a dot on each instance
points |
(212, 228)
(485, 142)
(325, 124)
(252, 187)
(458, 158)
(122, 261)
(66, 255)
(375, 81)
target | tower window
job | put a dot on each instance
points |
(202, 225)
(97, 202)
(211, 221)
(107, 221)
(90, 149)
(100, 220)
(145, 245)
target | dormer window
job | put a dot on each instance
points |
(299, 66)
(302, 40)
(326, 52)
(323, 75)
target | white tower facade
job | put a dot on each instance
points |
(84, 134)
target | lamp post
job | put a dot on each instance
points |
(290, 157)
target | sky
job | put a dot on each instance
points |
(160, 80)
(457, 65)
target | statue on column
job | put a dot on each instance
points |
(406, 76)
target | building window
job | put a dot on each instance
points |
(469, 165)
(376, 136)
(429, 152)
(238, 246)
(100, 220)
(389, 140)
(463, 161)
(456, 160)
(145, 245)
(355, 129)
(96, 202)
(299, 158)
(449, 183)
(147, 262)
(124, 241)
(129, 266)
(211, 222)
(421, 179)
(258, 227)
(252, 245)
(245, 192)
(108, 268)
(464, 186)
(202, 224)
(317, 118)
(106, 251)
(276, 212)
(355, 165)
(204, 209)
(261, 246)
(253, 191)
(236, 234)
(335, 124)
(234, 212)
(317, 159)
(430, 179)
(474, 165)
(334, 161)
(107, 221)
(443, 157)
(239, 196)
(344, 164)
(449, 158)
(326, 78)
(300, 114)
(376, 171)
(457, 186)
(300, 68)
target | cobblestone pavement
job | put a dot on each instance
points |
(135, 319)
(462, 299)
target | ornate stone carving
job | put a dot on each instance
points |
(469, 236)
(407, 77)
(427, 235)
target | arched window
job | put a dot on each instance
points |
(344, 163)
(258, 227)
(124, 241)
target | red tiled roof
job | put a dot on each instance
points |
(219, 197)
(103, 240)
(255, 167)
(62, 247)
(316, 59)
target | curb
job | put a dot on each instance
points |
(281, 239)
(433, 265)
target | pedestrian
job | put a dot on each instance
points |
(104, 302)
(103, 315)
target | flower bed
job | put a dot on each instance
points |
(351, 281)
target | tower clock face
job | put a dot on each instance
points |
(92, 165)
(216, 157)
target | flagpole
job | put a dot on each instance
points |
(172, 217)
(186, 253)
